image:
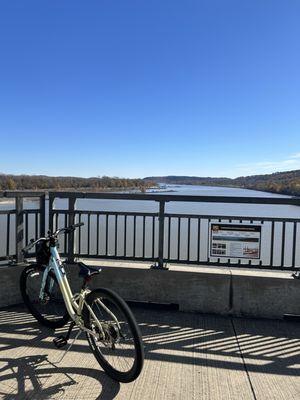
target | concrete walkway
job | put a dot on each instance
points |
(188, 356)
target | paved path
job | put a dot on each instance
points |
(188, 356)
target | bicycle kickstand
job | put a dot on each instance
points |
(61, 341)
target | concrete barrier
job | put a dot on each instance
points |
(265, 294)
(206, 290)
(9, 285)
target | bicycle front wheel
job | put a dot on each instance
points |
(50, 310)
(118, 346)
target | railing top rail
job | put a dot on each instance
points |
(5, 212)
(233, 217)
(177, 198)
(155, 197)
(174, 215)
(21, 193)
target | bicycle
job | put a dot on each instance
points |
(110, 327)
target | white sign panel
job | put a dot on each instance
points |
(235, 241)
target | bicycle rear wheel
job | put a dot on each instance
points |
(118, 348)
(49, 311)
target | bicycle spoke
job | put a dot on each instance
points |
(119, 353)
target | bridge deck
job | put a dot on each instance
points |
(188, 356)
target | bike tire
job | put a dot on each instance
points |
(45, 319)
(112, 297)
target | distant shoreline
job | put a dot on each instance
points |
(230, 187)
(281, 183)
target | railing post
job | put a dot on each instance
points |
(19, 229)
(42, 215)
(51, 201)
(161, 236)
(72, 201)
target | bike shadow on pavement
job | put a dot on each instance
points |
(36, 378)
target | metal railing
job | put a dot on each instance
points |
(19, 224)
(158, 236)
(163, 237)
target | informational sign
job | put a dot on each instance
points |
(235, 241)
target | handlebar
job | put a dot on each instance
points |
(68, 229)
(31, 244)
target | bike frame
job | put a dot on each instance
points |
(74, 303)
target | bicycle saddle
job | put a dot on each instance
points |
(86, 271)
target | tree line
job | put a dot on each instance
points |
(279, 182)
(43, 182)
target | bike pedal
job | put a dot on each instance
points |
(59, 342)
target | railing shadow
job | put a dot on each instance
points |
(268, 347)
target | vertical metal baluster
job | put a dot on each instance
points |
(125, 234)
(88, 233)
(97, 234)
(134, 234)
(7, 235)
(153, 236)
(198, 250)
(79, 236)
(144, 222)
(272, 244)
(178, 238)
(65, 235)
(169, 237)
(26, 229)
(36, 225)
(250, 261)
(116, 234)
(106, 234)
(294, 244)
(189, 239)
(208, 238)
(283, 244)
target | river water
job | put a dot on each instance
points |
(195, 208)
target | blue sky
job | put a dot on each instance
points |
(139, 88)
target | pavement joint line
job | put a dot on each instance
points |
(243, 360)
